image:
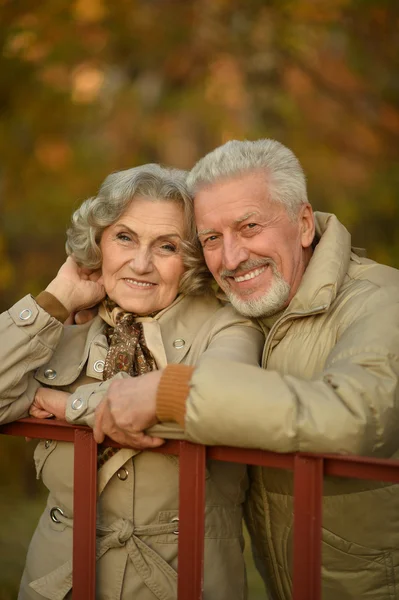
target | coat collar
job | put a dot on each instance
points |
(180, 322)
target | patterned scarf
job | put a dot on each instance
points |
(127, 352)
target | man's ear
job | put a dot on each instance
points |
(306, 218)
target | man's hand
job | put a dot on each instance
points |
(49, 403)
(128, 409)
(75, 287)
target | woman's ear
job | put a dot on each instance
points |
(307, 225)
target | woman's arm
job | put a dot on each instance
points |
(30, 333)
(49, 402)
(29, 336)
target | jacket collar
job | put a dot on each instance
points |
(325, 272)
(327, 267)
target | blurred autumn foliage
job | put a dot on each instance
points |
(92, 86)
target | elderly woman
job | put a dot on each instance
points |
(132, 248)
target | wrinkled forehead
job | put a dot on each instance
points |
(234, 199)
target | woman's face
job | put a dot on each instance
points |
(142, 259)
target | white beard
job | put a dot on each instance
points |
(269, 304)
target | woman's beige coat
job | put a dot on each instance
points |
(329, 383)
(138, 491)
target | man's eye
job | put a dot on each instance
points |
(209, 240)
(250, 228)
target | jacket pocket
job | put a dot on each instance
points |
(354, 571)
(41, 454)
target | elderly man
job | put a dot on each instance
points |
(329, 377)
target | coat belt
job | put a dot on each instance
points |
(155, 572)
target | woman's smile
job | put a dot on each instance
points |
(142, 262)
(141, 284)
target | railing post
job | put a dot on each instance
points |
(84, 516)
(191, 521)
(308, 502)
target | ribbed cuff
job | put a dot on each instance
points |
(173, 390)
(50, 304)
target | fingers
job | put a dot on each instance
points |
(138, 441)
(104, 425)
(86, 315)
(70, 320)
(39, 413)
(148, 442)
(49, 403)
(96, 276)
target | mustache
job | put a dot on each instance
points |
(247, 265)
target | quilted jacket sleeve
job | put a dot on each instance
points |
(351, 406)
(229, 336)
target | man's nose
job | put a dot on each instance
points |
(142, 261)
(234, 253)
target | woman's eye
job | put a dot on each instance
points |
(169, 247)
(124, 237)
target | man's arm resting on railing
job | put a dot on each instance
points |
(241, 341)
(351, 406)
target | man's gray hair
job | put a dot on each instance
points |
(284, 174)
(115, 195)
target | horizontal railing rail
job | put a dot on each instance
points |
(309, 470)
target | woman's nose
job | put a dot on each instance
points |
(142, 261)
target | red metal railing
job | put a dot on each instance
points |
(309, 470)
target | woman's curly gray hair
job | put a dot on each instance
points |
(116, 193)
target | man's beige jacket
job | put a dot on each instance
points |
(138, 491)
(329, 384)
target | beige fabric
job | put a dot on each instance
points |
(137, 549)
(329, 384)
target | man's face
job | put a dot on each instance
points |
(256, 253)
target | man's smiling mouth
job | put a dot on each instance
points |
(250, 275)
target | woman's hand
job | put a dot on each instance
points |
(49, 403)
(76, 287)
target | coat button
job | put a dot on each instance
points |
(77, 403)
(50, 374)
(99, 366)
(25, 314)
(179, 343)
(47, 444)
(175, 520)
(123, 474)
